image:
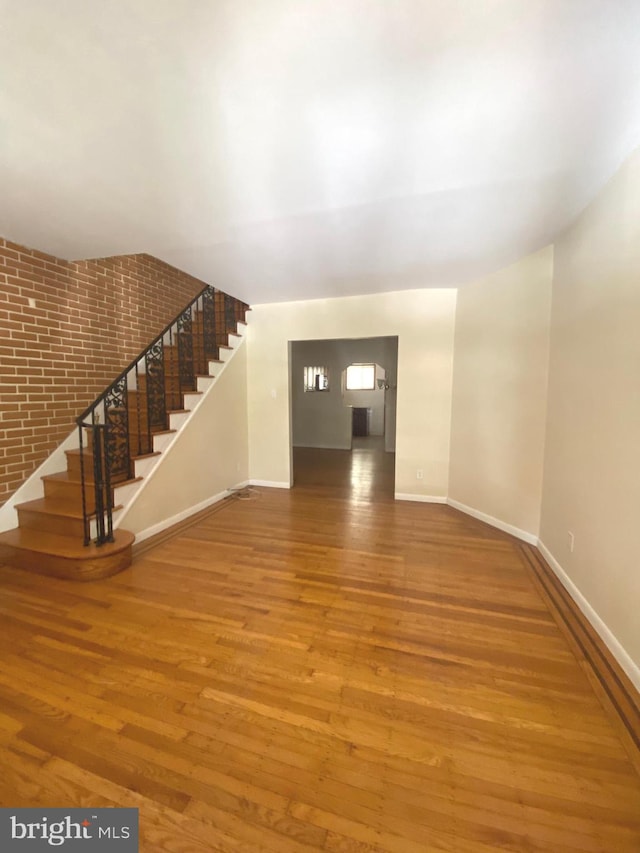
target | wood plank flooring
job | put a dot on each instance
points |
(310, 670)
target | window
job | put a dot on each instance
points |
(361, 377)
(316, 379)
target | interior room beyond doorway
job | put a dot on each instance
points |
(343, 431)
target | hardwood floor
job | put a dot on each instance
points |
(364, 473)
(309, 670)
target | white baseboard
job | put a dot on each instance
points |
(427, 499)
(270, 484)
(609, 639)
(238, 486)
(192, 510)
(531, 538)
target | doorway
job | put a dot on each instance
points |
(342, 438)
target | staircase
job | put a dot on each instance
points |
(69, 531)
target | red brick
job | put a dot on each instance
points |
(91, 319)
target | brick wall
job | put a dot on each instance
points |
(89, 319)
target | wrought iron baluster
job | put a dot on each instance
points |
(209, 325)
(202, 348)
(108, 501)
(221, 336)
(185, 351)
(171, 367)
(83, 485)
(98, 482)
(229, 314)
(156, 398)
(117, 418)
(139, 448)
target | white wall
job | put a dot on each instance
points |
(208, 457)
(319, 418)
(423, 320)
(505, 433)
(592, 457)
(499, 392)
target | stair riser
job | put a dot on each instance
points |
(137, 400)
(192, 400)
(143, 467)
(51, 523)
(71, 492)
(161, 442)
(177, 419)
(171, 381)
(73, 466)
(204, 383)
(74, 470)
(138, 421)
(91, 568)
(139, 443)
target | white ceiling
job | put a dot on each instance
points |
(292, 149)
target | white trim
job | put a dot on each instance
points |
(427, 499)
(238, 486)
(192, 510)
(607, 636)
(270, 484)
(531, 538)
(33, 487)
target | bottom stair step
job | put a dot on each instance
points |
(64, 556)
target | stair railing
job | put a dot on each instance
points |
(120, 424)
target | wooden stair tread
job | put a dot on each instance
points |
(76, 452)
(64, 546)
(66, 477)
(127, 482)
(58, 506)
(53, 506)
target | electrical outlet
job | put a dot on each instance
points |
(418, 473)
(571, 540)
(31, 302)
